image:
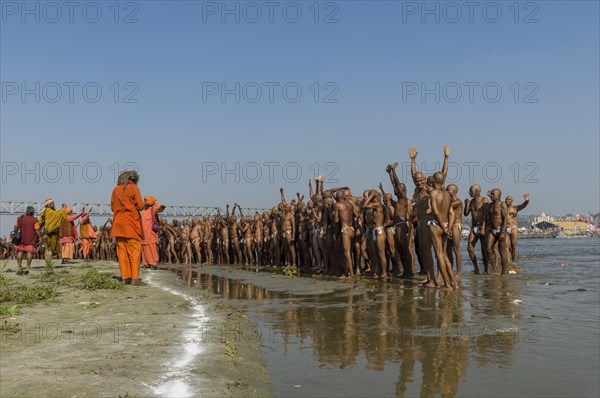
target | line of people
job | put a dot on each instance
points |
(378, 234)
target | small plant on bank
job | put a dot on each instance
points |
(93, 280)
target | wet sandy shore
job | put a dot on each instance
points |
(163, 339)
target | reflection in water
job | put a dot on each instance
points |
(429, 335)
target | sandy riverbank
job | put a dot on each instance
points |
(159, 340)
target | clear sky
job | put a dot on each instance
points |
(190, 88)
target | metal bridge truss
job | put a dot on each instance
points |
(101, 209)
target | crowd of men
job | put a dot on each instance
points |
(378, 234)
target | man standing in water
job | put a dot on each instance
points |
(512, 230)
(288, 226)
(402, 216)
(476, 207)
(496, 220)
(373, 201)
(344, 215)
(422, 202)
(453, 248)
(439, 226)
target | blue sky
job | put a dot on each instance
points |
(545, 142)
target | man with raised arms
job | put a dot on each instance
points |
(422, 202)
(288, 226)
(401, 221)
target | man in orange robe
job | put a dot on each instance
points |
(126, 202)
(86, 233)
(68, 236)
(149, 243)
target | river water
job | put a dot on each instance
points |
(536, 333)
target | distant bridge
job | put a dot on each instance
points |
(103, 210)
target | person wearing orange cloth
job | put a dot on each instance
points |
(150, 229)
(68, 235)
(87, 234)
(126, 203)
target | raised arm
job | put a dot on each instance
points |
(412, 152)
(445, 164)
(524, 204)
(381, 189)
(310, 188)
(391, 170)
(282, 196)
(320, 185)
(240, 210)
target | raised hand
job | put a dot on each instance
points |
(446, 151)
(526, 197)
(412, 152)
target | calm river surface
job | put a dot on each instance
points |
(536, 333)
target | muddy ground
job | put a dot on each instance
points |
(164, 339)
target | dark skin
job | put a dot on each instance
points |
(513, 235)
(344, 215)
(453, 248)
(390, 209)
(495, 225)
(412, 152)
(288, 226)
(373, 202)
(234, 234)
(401, 221)
(257, 227)
(444, 216)
(423, 207)
(477, 208)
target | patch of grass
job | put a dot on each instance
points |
(6, 311)
(231, 353)
(3, 280)
(9, 327)
(62, 277)
(93, 280)
(26, 294)
(291, 271)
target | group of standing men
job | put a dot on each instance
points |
(334, 232)
(375, 234)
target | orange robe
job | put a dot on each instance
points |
(86, 238)
(150, 241)
(126, 202)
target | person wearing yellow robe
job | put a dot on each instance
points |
(51, 219)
